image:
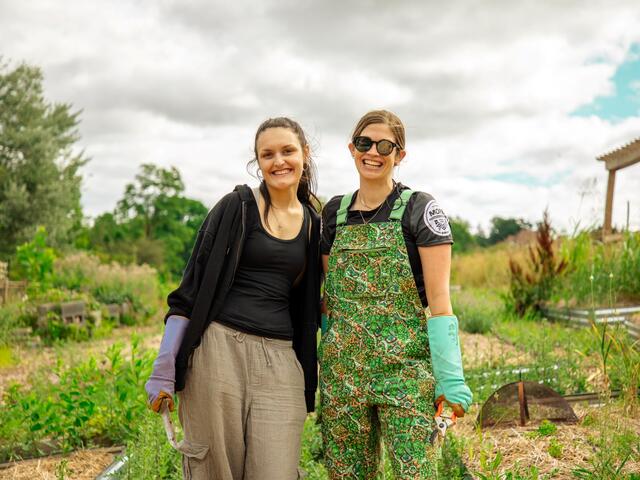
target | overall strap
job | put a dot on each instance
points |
(341, 216)
(400, 204)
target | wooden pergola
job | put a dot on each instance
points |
(614, 161)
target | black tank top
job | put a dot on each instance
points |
(258, 301)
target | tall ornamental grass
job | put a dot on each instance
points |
(486, 267)
(607, 273)
(108, 283)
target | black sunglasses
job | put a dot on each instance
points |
(384, 147)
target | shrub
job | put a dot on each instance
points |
(34, 260)
(109, 283)
(531, 289)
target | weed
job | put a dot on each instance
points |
(62, 470)
(149, 455)
(555, 448)
(545, 429)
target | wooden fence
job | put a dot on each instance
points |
(584, 317)
(11, 290)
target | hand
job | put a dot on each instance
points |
(456, 407)
(161, 383)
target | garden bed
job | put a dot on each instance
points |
(600, 443)
(78, 465)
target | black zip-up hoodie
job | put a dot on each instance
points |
(209, 274)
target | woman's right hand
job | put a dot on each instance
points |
(161, 383)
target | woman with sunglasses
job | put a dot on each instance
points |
(240, 335)
(386, 253)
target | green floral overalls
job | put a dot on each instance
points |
(375, 368)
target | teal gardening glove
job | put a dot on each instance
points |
(447, 361)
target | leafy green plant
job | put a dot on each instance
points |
(547, 428)
(92, 403)
(34, 260)
(555, 448)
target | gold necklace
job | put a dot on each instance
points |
(372, 216)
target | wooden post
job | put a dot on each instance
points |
(608, 210)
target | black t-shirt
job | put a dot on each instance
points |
(424, 224)
(258, 301)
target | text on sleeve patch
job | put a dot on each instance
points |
(436, 220)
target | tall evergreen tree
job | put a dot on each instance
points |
(39, 161)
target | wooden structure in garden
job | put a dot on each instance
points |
(8, 288)
(614, 161)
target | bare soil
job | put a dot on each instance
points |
(478, 349)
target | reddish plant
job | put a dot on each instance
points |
(530, 287)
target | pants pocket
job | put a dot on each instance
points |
(194, 463)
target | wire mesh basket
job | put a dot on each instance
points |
(522, 402)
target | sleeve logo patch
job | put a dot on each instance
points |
(435, 218)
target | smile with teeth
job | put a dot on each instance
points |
(372, 163)
(284, 171)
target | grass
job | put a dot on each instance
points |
(600, 274)
(477, 310)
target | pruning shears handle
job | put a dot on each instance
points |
(440, 409)
(168, 425)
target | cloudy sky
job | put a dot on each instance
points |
(506, 104)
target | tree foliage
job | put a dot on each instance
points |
(153, 223)
(463, 239)
(501, 228)
(39, 180)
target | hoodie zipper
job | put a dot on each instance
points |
(237, 261)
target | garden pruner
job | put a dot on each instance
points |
(442, 424)
(168, 425)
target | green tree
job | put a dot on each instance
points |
(39, 162)
(462, 236)
(501, 228)
(140, 199)
(153, 223)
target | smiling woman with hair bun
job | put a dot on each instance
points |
(386, 253)
(240, 335)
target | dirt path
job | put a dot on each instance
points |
(480, 349)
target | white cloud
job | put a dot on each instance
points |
(485, 90)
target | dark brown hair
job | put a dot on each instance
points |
(307, 186)
(386, 117)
